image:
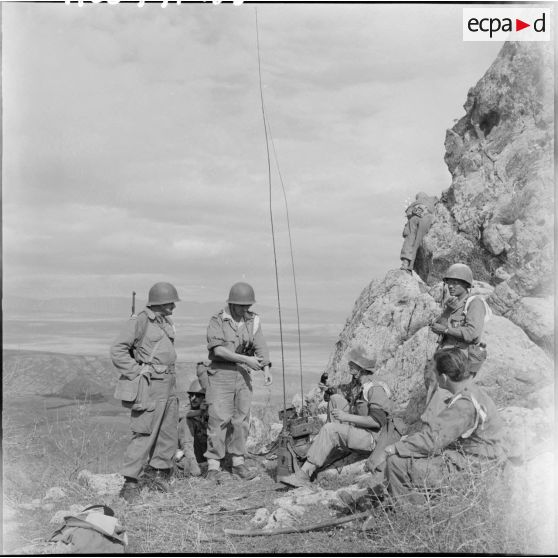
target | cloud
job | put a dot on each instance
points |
(134, 144)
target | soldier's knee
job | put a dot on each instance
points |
(395, 463)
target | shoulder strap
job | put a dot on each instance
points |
(487, 310)
(480, 412)
(139, 340)
(372, 384)
(143, 321)
(256, 324)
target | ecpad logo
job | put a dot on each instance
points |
(506, 24)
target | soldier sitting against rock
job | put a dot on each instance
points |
(192, 432)
(419, 220)
(466, 435)
(353, 424)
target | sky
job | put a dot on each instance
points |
(134, 147)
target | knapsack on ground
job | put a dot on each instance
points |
(93, 531)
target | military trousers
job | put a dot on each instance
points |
(192, 436)
(416, 229)
(229, 398)
(338, 435)
(154, 438)
(411, 479)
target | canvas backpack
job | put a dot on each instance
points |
(95, 530)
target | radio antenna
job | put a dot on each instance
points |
(272, 225)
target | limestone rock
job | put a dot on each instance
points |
(392, 326)
(498, 214)
(260, 519)
(386, 314)
(261, 435)
(101, 484)
(283, 517)
(516, 368)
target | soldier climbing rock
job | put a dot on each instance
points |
(237, 348)
(419, 220)
(144, 354)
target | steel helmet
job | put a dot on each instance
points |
(195, 387)
(241, 293)
(460, 271)
(162, 293)
(356, 356)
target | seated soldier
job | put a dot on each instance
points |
(354, 425)
(466, 433)
(192, 432)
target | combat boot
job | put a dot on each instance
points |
(298, 479)
(130, 491)
(244, 472)
(188, 464)
(157, 479)
(213, 475)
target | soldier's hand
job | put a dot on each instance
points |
(340, 415)
(453, 303)
(375, 461)
(268, 380)
(438, 328)
(253, 362)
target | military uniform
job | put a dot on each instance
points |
(463, 330)
(229, 393)
(150, 339)
(374, 401)
(192, 432)
(420, 215)
(466, 433)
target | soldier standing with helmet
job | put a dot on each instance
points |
(145, 348)
(460, 325)
(236, 348)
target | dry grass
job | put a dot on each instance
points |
(476, 515)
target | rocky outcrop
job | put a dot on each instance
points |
(497, 215)
(390, 322)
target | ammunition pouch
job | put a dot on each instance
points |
(476, 355)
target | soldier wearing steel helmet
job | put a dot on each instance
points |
(145, 348)
(237, 348)
(459, 326)
(192, 431)
(354, 422)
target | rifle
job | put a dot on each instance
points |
(133, 304)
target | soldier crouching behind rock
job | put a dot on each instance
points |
(192, 432)
(355, 422)
(144, 354)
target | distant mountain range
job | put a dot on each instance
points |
(115, 307)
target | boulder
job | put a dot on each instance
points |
(392, 327)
